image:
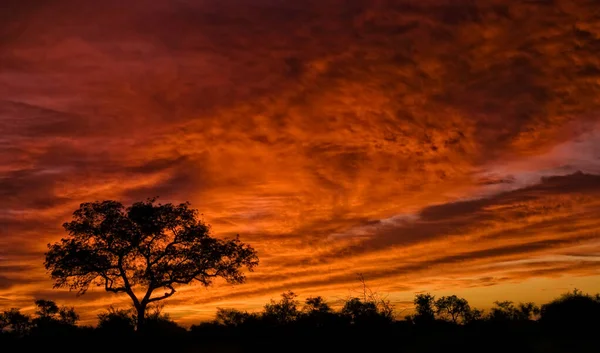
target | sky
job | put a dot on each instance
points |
(443, 146)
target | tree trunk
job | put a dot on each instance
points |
(141, 317)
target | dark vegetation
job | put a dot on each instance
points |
(367, 323)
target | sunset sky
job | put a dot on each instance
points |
(449, 146)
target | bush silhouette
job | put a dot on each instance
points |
(360, 312)
(568, 323)
(116, 322)
(15, 323)
(424, 308)
(51, 320)
(504, 311)
(572, 312)
(284, 311)
(233, 317)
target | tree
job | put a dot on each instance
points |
(358, 311)
(527, 311)
(159, 323)
(371, 309)
(117, 321)
(573, 312)
(317, 313)
(284, 311)
(507, 311)
(232, 317)
(142, 249)
(473, 315)
(15, 321)
(46, 309)
(48, 313)
(452, 307)
(424, 307)
(316, 305)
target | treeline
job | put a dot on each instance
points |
(446, 322)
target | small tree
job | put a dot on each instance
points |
(284, 311)
(358, 311)
(424, 307)
(232, 317)
(49, 313)
(46, 309)
(452, 307)
(15, 322)
(317, 313)
(372, 305)
(142, 249)
(117, 321)
(316, 305)
(507, 311)
(473, 315)
(371, 309)
(527, 311)
(159, 323)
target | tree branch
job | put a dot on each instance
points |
(126, 283)
(165, 296)
(108, 285)
(165, 251)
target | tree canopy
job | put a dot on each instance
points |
(452, 307)
(143, 249)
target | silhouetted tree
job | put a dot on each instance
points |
(116, 321)
(424, 308)
(51, 317)
(473, 315)
(452, 307)
(49, 313)
(15, 322)
(46, 309)
(232, 317)
(143, 248)
(314, 305)
(316, 312)
(573, 311)
(284, 311)
(507, 311)
(527, 311)
(50, 320)
(159, 323)
(358, 311)
(369, 308)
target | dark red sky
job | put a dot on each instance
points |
(430, 145)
